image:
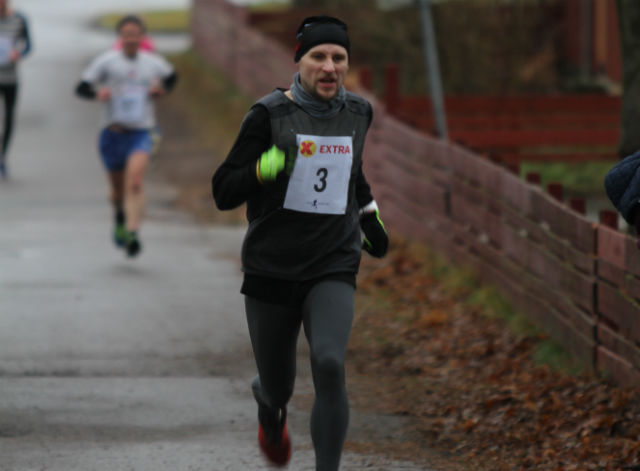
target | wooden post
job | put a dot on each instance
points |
(513, 167)
(609, 218)
(579, 205)
(556, 190)
(533, 177)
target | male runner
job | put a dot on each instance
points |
(127, 81)
(297, 163)
(15, 43)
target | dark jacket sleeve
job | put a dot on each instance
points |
(622, 184)
(363, 190)
(235, 180)
(24, 36)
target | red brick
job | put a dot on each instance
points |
(611, 246)
(514, 245)
(559, 328)
(611, 273)
(466, 212)
(632, 256)
(619, 345)
(620, 310)
(620, 370)
(563, 222)
(515, 192)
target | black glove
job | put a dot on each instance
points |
(376, 240)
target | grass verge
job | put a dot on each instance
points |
(464, 284)
(578, 179)
(215, 105)
(200, 120)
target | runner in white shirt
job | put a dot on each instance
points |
(15, 44)
(127, 81)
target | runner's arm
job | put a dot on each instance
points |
(363, 190)
(93, 75)
(236, 179)
(24, 36)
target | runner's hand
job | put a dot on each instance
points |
(104, 94)
(376, 240)
(157, 90)
(270, 164)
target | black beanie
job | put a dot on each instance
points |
(323, 29)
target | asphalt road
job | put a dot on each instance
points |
(108, 363)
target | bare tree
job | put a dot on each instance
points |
(629, 19)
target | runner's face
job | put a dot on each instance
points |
(323, 69)
(131, 36)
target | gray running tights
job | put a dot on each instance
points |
(326, 314)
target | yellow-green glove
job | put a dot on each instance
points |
(376, 240)
(270, 164)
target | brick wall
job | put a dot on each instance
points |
(579, 280)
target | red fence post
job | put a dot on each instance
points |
(513, 167)
(533, 177)
(579, 205)
(391, 87)
(556, 190)
(609, 218)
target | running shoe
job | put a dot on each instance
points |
(274, 440)
(120, 235)
(133, 245)
(273, 436)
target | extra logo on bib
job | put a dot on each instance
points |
(319, 182)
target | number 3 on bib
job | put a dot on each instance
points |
(320, 179)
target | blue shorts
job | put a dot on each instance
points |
(116, 146)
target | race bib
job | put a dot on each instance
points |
(319, 182)
(128, 105)
(6, 46)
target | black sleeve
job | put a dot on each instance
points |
(85, 90)
(363, 190)
(24, 36)
(235, 180)
(170, 81)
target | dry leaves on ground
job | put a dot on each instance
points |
(472, 383)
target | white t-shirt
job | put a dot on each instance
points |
(129, 80)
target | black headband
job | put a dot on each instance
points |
(320, 30)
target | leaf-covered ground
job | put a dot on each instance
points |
(472, 384)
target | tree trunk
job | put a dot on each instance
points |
(629, 19)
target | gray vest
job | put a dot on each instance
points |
(292, 245)
(13, 27)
